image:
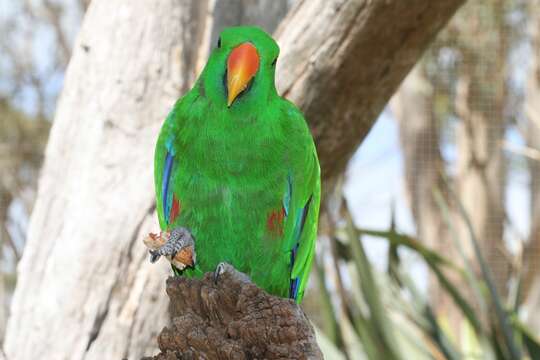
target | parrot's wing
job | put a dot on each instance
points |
(304, 197)
(165, 162)
(305, 232)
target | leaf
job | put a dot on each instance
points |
(425, 320)
(470, 275)
(329, 350)
(411, 243)
(434, 261)
(378, 319)
(502, 316)
(531, 342)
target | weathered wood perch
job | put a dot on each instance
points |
(233, 319)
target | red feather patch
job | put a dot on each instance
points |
(175, 209)
(274, 222)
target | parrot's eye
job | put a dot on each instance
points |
(219, 42)
(274, 62)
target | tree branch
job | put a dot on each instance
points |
(343, 60)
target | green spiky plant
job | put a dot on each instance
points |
(392, 319)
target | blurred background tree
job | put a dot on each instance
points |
(36, 46)
(445, 183)
(22, 141)
(461, 89)
(529, 127)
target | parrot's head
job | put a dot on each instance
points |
(241, 67)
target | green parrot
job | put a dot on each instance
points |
(236, 165)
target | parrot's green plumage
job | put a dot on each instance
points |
(236, 165)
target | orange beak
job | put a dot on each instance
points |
(242, 66)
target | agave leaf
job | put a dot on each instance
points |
(502, 316)
(329, 350)
(435, 262)
(398, 239)
(474, 282)
(332, 329)
(370, 291)
(531, 342)
(426, 320)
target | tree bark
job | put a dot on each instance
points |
(85, 289)
(481, 169)
(5, 200)
(233, 319)
(531, 253)
(265, 14)
(419, 133)
(221, 14)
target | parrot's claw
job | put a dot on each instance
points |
(154, 256)
(220, 269)
(225, 267)
(179, 248)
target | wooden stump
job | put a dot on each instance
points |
(233, 319)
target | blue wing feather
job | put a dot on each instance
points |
(167, 200)
(298, 227)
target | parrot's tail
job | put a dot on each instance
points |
(154, 256)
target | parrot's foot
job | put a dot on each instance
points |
(178, 246)
(224, 267)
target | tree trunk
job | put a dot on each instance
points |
(481, 170)
(419, 134)
(224, 13)
(419, 138)
(531, 253)
(481, 178)
(265, 14)
(3, 308)
(5, 200)
(80, 296)
(86, 289)
(3, 292)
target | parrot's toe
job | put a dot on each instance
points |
(220, 269)
(154, 256)
(225, 267)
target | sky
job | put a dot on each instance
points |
(33, 41)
